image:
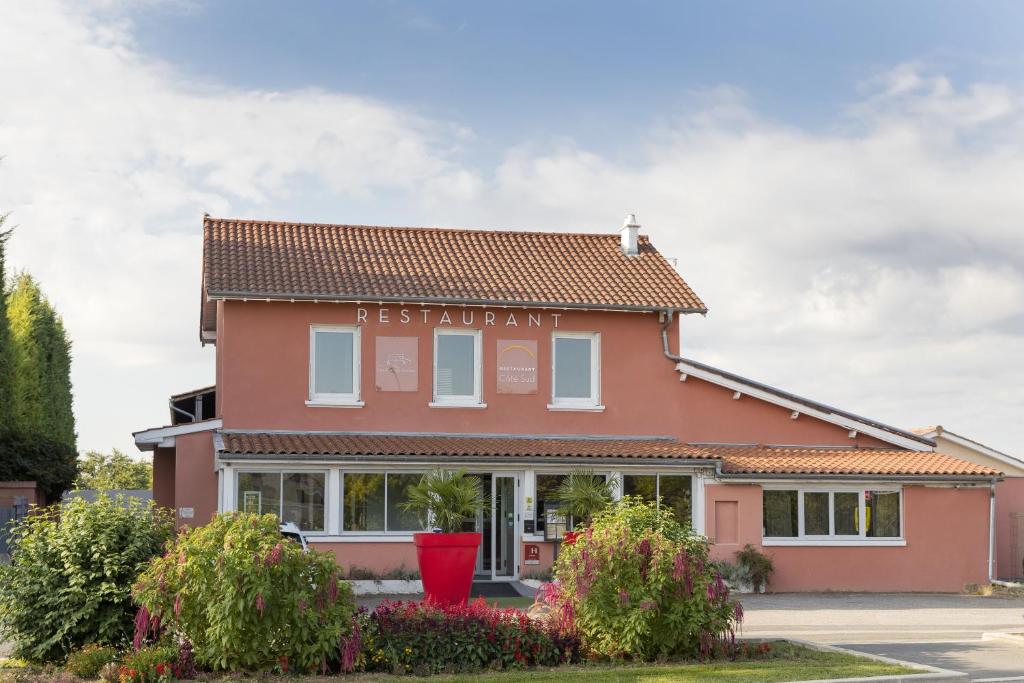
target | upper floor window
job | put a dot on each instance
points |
(814, 515)
(575, 370)
(457, 367)
(334, 365)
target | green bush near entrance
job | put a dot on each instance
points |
(246, 598)
(637, 584)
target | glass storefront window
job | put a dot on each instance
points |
(846, 515)
(883, 513)
(296, 497)
(547, 496)
(259, 492)
(397, 518)
(674, 491)
(302, 500)
(364, 501)
(781, 510)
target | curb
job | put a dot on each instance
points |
(1006, 636)
(930, 673)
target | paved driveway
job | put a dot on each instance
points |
(941, 630)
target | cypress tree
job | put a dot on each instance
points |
(6, 345)
(42, 364)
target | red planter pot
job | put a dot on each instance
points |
(446, 565)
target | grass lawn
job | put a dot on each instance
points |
(799, 664)
(792, 663)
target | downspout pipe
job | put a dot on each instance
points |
(992, 531)
(190, 416)
(669, 315)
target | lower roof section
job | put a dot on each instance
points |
(729, 459)
(463, 445)
(841, 461)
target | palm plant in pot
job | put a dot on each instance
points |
(445, 500)
(582, 494)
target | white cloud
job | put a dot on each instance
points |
(109, 161)
(878, 265)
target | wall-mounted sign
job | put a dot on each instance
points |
(517, 366)
(397, 364)
(531, 553)
(186, 513)
(456, 316)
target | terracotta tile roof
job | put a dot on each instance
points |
(868, 461)
(353, 262)
(736, 459)
(276, 443)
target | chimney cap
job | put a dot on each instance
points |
(629, 232)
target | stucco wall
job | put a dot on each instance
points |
(1010, 528)
(1009, 507)
(195, 481)
(945, 530)
(378, 557)
(163, 477)
(263, 379)
(707, 412)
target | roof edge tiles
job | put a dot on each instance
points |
(741, 460)
(331, 262)
(732, 460)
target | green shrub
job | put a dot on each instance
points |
(637, 584)
(71, 571)
(87, 662)
(400, 573)
(246, 598)
(445, 499)
(149, 664)
(757, 566)
(583, 493)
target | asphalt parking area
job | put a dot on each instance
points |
(940, 630)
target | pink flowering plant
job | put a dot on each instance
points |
(638, 584)
(424, 638)
(246, 598)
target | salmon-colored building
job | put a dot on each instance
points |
(351, 359)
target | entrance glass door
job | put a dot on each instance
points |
(503, 526)
(498, 556)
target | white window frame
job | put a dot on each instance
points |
(280, 487)
(350, 400)
(473, 400)
(593, 402)
(371, 532)
(833, 539)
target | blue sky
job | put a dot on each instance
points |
(840, 182)
(589, 70)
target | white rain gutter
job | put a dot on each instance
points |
(992, 532)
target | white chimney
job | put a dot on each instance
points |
(630, 231)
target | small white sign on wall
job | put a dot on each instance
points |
(186, 513)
